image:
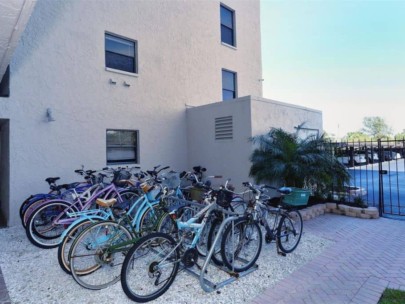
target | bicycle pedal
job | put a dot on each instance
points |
(282, 254)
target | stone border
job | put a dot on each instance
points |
(316, 210)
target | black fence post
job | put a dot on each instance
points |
(380, 179)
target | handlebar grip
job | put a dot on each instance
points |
(164, 168)
(105, 168)
(218, 176)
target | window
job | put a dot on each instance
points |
(228, 85)
(120, 54)
(5, 84)
(227, 26)
(122, 147)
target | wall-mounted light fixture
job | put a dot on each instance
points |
(49, 115)
(126, 84)
(112, 81)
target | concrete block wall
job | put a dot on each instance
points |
(316, 210)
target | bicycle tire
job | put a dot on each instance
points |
(134, 287)
(216, 256)
(289, 231)
(65, 245)
(150, 220)
(93, 264)
(235, 254)
(49, 236)
(167, 225)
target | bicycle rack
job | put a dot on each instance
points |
(206, 284)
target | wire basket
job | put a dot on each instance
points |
(224, 198)
(120, 177)
(170, 180)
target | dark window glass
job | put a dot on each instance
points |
(5, 83)
(228, 85)
(120, 54)
(226, 17)
(227, 95)
(227, 26)
(227, 35)
(122, 147)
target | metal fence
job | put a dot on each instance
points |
(377, 173)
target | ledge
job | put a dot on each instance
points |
(316, 210)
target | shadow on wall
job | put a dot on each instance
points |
(37, 29)
(3, 222)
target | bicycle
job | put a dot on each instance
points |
(162, 254)
(98, 249)
(282, 223)
(64, 191)
(50, 219)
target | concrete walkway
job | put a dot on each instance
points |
(4, 297)
(368, 256)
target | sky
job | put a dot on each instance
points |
(345, 58)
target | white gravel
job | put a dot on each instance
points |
(33, 275)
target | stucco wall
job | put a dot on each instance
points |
(59, 64)
(251, 116)
(228, 157)
(267, 114)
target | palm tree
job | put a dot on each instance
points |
(283, 157)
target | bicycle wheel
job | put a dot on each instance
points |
(128, 198)
(97, 254)
(42, 230)
(241, 245)
(66, 244)
(167, 225)
(32, 207)
(150, 267)
(150, 220)
(289, 231)
(202, 245)
(216, 256)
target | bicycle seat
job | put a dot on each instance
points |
(51, 180)
(106, 203)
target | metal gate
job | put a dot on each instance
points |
(377, 170)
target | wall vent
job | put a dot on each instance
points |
(223, 128)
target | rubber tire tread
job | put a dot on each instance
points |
(127, 263)
(228, 230)
(279, 243)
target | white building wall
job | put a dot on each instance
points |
(251, 116)
(230, 157)
(268, 114)
(59, 64)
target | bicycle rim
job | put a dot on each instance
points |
(289, 231)
(94, 264)
(150, 267)
(241, 245)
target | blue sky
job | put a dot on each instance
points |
(346, 58)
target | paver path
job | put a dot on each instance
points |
(368, 256)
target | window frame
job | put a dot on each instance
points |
(233, 29)
(235, 80)
(135, 148)
(135, 57)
